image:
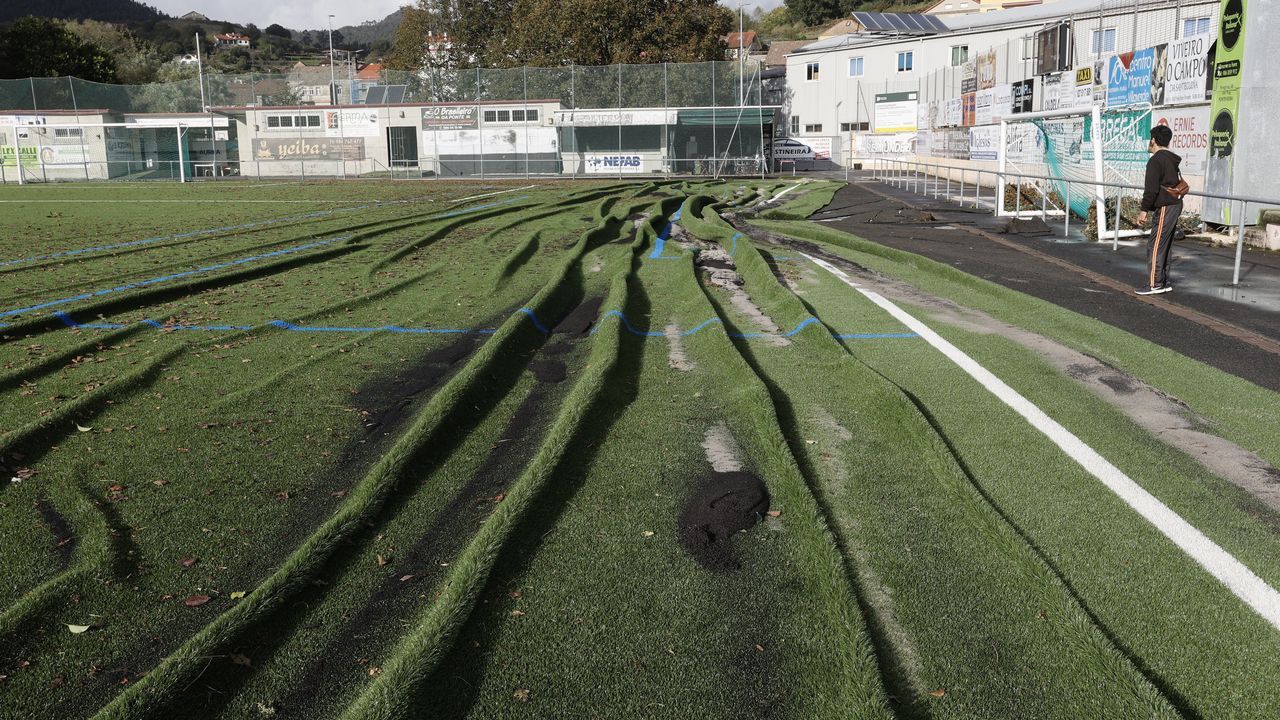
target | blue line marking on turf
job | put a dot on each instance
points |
(69, 322)
(734, 247)
(661, 243)
(167, 278)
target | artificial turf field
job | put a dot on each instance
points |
(615, 450)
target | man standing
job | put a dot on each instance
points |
(1162, 175)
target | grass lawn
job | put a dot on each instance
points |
(511, 450)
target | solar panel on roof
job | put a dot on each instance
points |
(900, 23)
(395, 93)
(377, 95)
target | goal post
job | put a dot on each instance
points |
(1084, 152)
(59, 149)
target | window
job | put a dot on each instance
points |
(273, 121)
(490, 116)
(795, 124)
(855, 67)
(959, 55)
(286, 121)
(531, 115)
(517, 116)
(504, 116)
(846, 127)
(905, 59)
(1103, 41)
(813, 128)
(312, 120)
(1195, 26)
(811, 72)
(68, 132)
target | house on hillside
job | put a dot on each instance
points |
(194, 17)
(739, 44)
(779, 49)
(311, 83)
(231, 40)
(369, 76)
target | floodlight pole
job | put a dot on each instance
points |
(333, 81)
(740, 65)
(204, 106)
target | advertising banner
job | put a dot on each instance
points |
(1226, 80)
(351, 148)
(870, 144)
(1129, 78)
(984, 142)
(970, 109)
(1052, 90)
(924, 143)
(1186, 72)
(63, 155)
(895, 112)
(30, 156)
(1084, 87)
(1001, 101)
(953, 112)
(983, 107)
(612, 164)
(951, 144)
(1023, 96)
(340, 123)
(801, 149)
(985, 70)
(968, 78)
(1124, 139)
(1159, 65)
(612, 118)
(451, 117)
(1024, 144)
(1190, 126)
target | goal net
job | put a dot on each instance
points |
(1070, 161)
(59, 149)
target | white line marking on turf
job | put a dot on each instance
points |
(1242, 581)
(500, 192)
(784, 192)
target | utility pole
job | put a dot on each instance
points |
(200, 70)
(333, 81)
(740, 63)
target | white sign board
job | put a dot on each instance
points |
(984, 107)
(984, 142)
(1187, 70)
(895, 112)
(614, 163)
(1002, 102)
(954, 112)
(62, 155)
(1190, 126)
(869, 144)
(611, 118)
(351, 122)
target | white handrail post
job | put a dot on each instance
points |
(1002, 163)
(182, 166)
(1235, 274)
(1100, 198)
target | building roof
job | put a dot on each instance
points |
(840, 27)
(372, 71)
(779, 49)
(740, 40)
(1012, 17)
(231, 36)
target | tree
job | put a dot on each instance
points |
(136, 60)
(279, 31)
(511, 33)
(815, 12)
(253, 33)
(38, 47)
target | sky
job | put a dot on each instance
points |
(313, 14)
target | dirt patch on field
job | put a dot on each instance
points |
(548, 371)
(721, 449)
(719, 270)
(676, 356)
(579, 321)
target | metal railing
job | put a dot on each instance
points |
(909, 174)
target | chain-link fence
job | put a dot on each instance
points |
(669, 118)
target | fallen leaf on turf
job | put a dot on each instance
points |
(82, 428)
(375, 671)
(522, 695)
(188, 562)
(159, 483)
(647, 533)
(499, 497)
(517, 613)
(241, 660)
(381, 561)
(759, 648)
(406, 578)
(938, 693)
(515, 594)
(77, 629)
(237, 594)
(196, 600)
(56, 682)
(774, 513)
(339, 493)
(116, 488)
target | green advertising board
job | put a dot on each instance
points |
(1124, 137)
(30, 156)
(1225, 111)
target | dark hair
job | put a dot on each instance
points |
(1162, 135)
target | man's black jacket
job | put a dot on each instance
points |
(1162, 172)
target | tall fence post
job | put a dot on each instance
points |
(1235, 273)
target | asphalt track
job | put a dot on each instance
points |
(1236, 330)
